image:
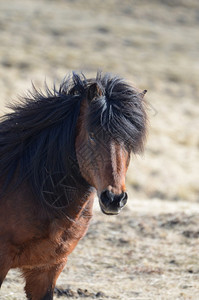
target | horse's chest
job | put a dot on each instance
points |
(60, 241)
(66, 238)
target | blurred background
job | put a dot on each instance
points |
(155, 45)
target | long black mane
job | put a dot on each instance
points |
(37, 139)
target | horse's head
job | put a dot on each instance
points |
(112, 124)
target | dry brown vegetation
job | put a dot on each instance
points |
(150, 251)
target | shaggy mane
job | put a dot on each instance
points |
(37, 139)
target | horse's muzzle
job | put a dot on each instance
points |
(112, 204)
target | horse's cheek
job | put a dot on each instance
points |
(85, 168)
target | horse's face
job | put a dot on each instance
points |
(103, 162)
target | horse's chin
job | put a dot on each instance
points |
(109, 212)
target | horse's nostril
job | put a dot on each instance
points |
(123, 199)
(106, 197)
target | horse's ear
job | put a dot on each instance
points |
(143, 93)
(93, 92)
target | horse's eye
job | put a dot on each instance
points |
(91, 136)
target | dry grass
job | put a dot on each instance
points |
(151, 250)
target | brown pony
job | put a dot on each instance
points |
(56, 151)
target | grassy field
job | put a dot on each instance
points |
(151, 250)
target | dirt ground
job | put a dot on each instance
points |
(151, 250)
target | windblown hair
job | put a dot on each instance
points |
(37, 139)
(118, 110)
